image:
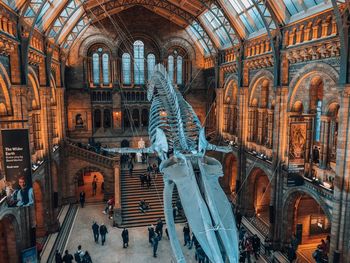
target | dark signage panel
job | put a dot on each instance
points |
(16, 156)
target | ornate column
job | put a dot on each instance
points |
(260, 126)
(325, 124)
(220, 110)
(340, 227)
(117, 218)
(270, 122)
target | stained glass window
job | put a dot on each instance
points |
(179, 70)
(96, 68)
(139, 66)
(105, 68)
(126, 65)
(151, 62)
(171, 68)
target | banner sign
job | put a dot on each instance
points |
(17, 158)
(29, 255)
(297, 147)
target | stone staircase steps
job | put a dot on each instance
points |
(132, 193)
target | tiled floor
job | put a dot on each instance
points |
(139, 249)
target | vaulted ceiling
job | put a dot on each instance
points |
(214, 24)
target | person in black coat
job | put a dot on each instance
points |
(82, 198)
(58, 257)
(187, 237)
(125, 237)
(67, 258)
(151, 233)
(95, 230)
(155, 241)
(103, 232)
(159, 228)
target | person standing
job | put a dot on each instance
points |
(58, 257)
(82, 198)
(103, 233)
(159, 228)
(78, 255)
(238, 219)
(148, 180)
(125, 237)
(187, 237)
(131, 167)
(95, 230)
(151, 233)
(155, 241)
(94, 185)
(67, 258)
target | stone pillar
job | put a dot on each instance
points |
(325, 124)
(340, 230)
(250, 123)
(260, 126)
(220, 110)
(117, 218)
(270, 125)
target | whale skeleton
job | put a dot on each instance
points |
(175, 128)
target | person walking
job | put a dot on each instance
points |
(82, 198)
(159, 228)
(151, 233)
(131, 167)
(94, 185)
(86, 258)
(67, 258)
(155, 241)
(125, 237)
(95, 229)
(187, 237)
(78, 255)
(142, 180)
(103, 233)
(58, 257)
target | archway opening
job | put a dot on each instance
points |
(92, 183)
(8, 246)
(308, 224)
(229, 180)
(262, 194)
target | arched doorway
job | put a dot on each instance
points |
(257, 196)
(8, 245)
(228, 181)
(308, 220)
(39, 210)
(85, 178)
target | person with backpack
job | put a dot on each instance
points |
(78, 255)
(103, 233)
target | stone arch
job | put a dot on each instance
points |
(5, 98)
(10, 237)
(290, 198)
(257, 192)
(257, 81)
(39, 209)
(303, 79)
(34, 103)
(181, 42)
(230, 167)
(94, 39)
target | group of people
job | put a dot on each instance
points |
(99, 230)
(249, 247)
(321, 253)
(145, 179)
(155, 234)
(80, 256)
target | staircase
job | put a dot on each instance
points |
(132, 193)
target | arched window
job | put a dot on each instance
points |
(126, 63)
(96, 68)
(105, 68)
(171, 68)
(151, 63)
(179, 70)
(139, 66)
(318, 121)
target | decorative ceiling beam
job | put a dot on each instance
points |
(275, 36)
